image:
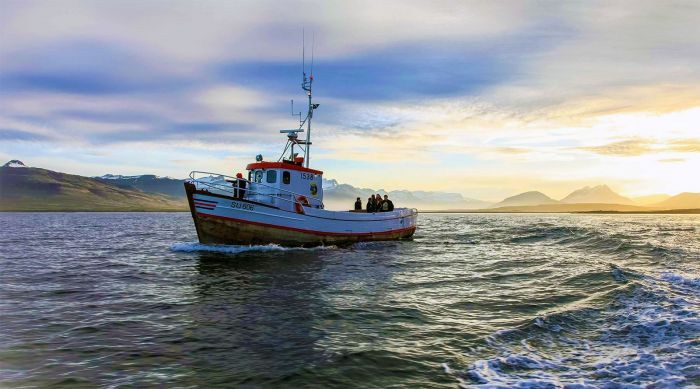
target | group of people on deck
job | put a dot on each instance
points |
(376, 204)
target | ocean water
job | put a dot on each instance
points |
(131, 300)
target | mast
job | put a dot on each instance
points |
(293, 135)
(306, 85)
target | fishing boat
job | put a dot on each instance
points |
(281, 202)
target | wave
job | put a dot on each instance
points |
(190, 247)
(538, 233)
(627, 245)
(645, 332)
(680, 280)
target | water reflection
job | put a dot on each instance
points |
(253, 319)
(490, 295)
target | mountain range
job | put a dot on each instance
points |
(25, 188)
(596, 194)
(596, 198)
(148, 183)
(527, 198)
(342, 196)
(685, 200)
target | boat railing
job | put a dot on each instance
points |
(227, 187)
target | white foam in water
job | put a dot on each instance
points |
(680, 280)
(646, 336)
(190, 247)
(446, 368)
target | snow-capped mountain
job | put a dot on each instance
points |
(121, 177)
(14, 163)
(117, 177)
(149, 183)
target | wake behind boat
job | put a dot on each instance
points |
(281, 202)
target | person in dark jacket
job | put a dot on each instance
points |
(370, 204)
(387, 205)
(239, 186)
(378, 202)
(358, 204)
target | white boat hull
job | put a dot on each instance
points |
(221, 219)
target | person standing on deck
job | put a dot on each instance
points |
(358, 204)
(387, 205)
(240, 186)
(370, 205)
(378, 202)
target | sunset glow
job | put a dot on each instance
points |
(486, 99)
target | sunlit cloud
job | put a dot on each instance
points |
(685, 145)
(636, 147)
(486, 98)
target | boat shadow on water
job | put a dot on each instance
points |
(275, 317)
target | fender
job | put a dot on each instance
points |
(300, 203)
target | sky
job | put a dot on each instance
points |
(483, 98)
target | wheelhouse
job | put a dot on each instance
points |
(284, 184)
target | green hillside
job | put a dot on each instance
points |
(35, 189)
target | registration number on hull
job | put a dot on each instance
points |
(243, 206)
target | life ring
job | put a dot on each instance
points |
(300, 203)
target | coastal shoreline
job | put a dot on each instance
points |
(655, 212)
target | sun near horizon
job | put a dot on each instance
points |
(484, 99)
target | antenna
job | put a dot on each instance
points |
(296, 113)
(292, 135)
(313, 43)
(306, 85)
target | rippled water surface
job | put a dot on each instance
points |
(129, 299)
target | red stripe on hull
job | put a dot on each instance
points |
(313, 232)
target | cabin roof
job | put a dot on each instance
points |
(281, 165)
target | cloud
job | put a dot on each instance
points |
(625, 148)
(404, 72)
(416, 69)
(9, 134)
(193, 33)
(511, 150)
(637, 147)
(84, 67)
(685, 145)
(463, 86)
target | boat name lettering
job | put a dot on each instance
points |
(307, 176)
(247, 207)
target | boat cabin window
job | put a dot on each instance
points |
(286, 177)
(272, 176)
(258, 176)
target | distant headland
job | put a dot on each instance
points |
(25, 188)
